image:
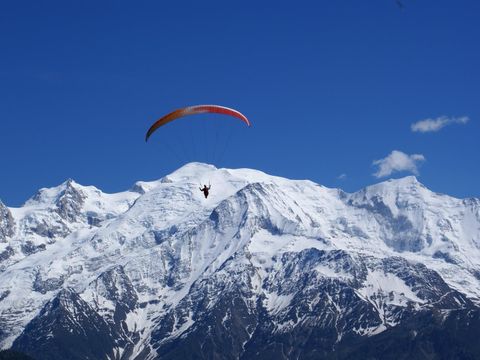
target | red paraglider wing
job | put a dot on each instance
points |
(198, 109)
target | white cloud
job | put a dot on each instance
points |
(431, 125)
(398, 161)
(342, 176)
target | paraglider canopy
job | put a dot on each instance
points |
(197, 109)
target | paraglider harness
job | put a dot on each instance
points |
(205, 189)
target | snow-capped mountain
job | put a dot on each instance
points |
(265, 267)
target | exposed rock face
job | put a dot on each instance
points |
(69, 202)
(29, 248)
(67, 328)
(264, 268)
(7, 224)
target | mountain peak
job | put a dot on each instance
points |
(407, 184)
(69, 182)
(192, 170)
(407, 180)
(48, 196)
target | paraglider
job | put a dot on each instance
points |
(197, 109)
(205, 190)
(192, 110)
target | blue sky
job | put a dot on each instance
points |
(330, 87)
